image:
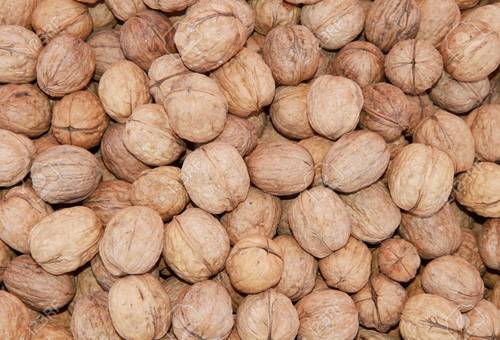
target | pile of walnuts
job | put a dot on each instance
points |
(249, 170)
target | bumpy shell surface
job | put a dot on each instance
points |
(109, 197)
(484, 123)
(169, 5)
(15, 318)
(420, 107)
(240, 133)
(464, 4)
(318, 147)
(6, 255)
(489, 14)
(107, 50)
(17, 13)
(483, 321)
(101, 274)
(469, 250)
(489, 243)
(16, 155)
(272, 13)
(225, 281)
(102, 17)
(437, 18)
(125, 9)
(162, 69)
(398, 259)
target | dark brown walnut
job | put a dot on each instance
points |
(117, 158)
(16, 155)
(318, 147)
(281, 168)
(449, 133)
(489, 243)
(132, 242)
(125, 9)
(212, 32)
(149, 136)
(162, 69)
(457, 96)
(246, 82)
(428, 316)
(348, 268)
(101, 274)
(464, 4)
(374, 216)
(319, 221)
(433, 236)
(240, 133)
(65, 65)
(215, 177)
(139, 307)
(488, 14)
(107, 50)
(42, 291)
(360, 61)
(420, 108)
(17, 13)
(326, 312)
(24, 109)
(437, 18)
(15, 318)
(299, 269)
(302, 60)
(102, 17)
(169, 5)
(196, 245)
(255, 264)
(380, 303)
(390, 21)
(109, 198)
(122, 88)
(478, 189)
(483, 122)
(6, 255)
(398, 259)
(20, 49)
(334, 22)
(145, 37)
(175, 289)
(160, 189)
(469, 250)
(197, 316)
(482, 321)
(272, 13)
(494, 295)
(225, 281)
(65, 174)
(470, 51)
(258, 214)
(267, 315)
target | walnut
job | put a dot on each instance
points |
(325, 67)
(14, 317)
(107, 50)
(16, 155)
(102, 17)
(125, 9)
(469, 250)
(17, 13)
(421, 107)
(162, 69)
(482, 321)
(225, 281)
(101, 274)
(483, 122)
(318, 147)
(302, 60)
(86, 285)
(223, 163)
(240, 133)
(283, 225)
(49, 331)
(489, 243)
(437, 19)
(6, 255)
(488, 14)
(398, 259)
(169, 5)
(45, 142)
(175, 289)
(464, 4)
(109, 197)
(256, 42)
(272, 13)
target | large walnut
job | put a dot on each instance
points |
(398, 259)
(437, 19)
(17, 13)
(15, 318)
(318, 147)
(16, 155)
(484, 123)
(107, 50)
(272, 13)
(109, 197)
(489, 243)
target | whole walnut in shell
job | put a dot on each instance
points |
(19, 52)
(272, 13)
(125, 9)
(483, 321)
(65, 174)
(281, 168)
(488, 14)
(165, 68)
(16, 155)
(66, 239)
(101, 274)
(318, 147)
(484, 122)
(464, 4)
(102, 17)
(267, 315)
(109, 198)
(489, 243)
(225, 281)
(139, 307)
(6, 255)
(255, 264)
(212, 32)
(175, 289)
(326, 312)
(240, 133)
(169, 5)
(302, 59)
(132, 242)
(107, 50)
(398, 259)
(437, 18)
(469, 250)
(51, 331)
(15, 318)
(17, 13)
(421, 107)
(42, 290)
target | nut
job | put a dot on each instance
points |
(125, 9)
(15, 318)
(420, 108)
(162, 69)
(318, 147)
(236, 297)
(240, 133)
(107, 50)
(489, 243)
(398, 259)
(6, 255)
(18, 13)
(101, 274)
(437, 19)
(175, 289)
(469, 250)
(16, 155)
(102, 17)
(109, 198)
(169, 5)
(483, 122)
(482, 321)
(272, 13)
(488, 14)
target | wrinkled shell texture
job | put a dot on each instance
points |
(489, 243)
(398, 259)
(488, 14)
(109, 197)
(318, 147)
(240, 133)
(272, 13)
(6, 255)
(469, 250)
(169, 5)
(437, 18)
(483, 321)
(18, 13)
(102, 17)
(483, 122)
(15, 318)
(125, 9)
(105, 44)
(16, 155)
(162, 69)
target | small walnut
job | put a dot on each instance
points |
(464, 4)
(107, 50)
(101, 274)
(483, 321)
(398, 259)
(86, 285)
(284, 226)
(437, 19)
(215, 177)
(139, 307)
(16, 155)
(240, 133)
(302, 59)
(50, 331)
(162, 69)
(102, 17)
(15, 318)
(489, 243)
(125, 9)
(45, 142)
(255, 264)
(132, 242)
(469, 250)
(268, 315)
(169, 5)
(484, 123)
(488, 14)
(318, 147)
(272, 13)
(17, 13)
(225, 281)
(420, 108)
(6, 255)
(175, 289)
(109, 197)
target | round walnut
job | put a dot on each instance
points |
(139, 307)
(24, 109)
(17, 13)
(107, 50)
(240, 133)
(420, 107)
(125, 9)
(102, 17)
(484, 123)
(16, 155)
(149, 136)
(302, 60)
(212, 32)
(268, 315)
(390, 21)
(326, 312)
(169, 5)
(19, 50)
(333, 105)
(109, 197)
(196, 245)
(469, 250)
(483, 321)
(65, 174)
(65, 240)
(299, 269)
(132, 242)
(420, 179)
(318, 147)
(215, 177)
(258, 214)
(360, 61)
(334, 22)
(437, 18)
(145, 37)
(197, 316)
(398, 259)
(470, 51)
(162, 69)
(236, 297)
(101, 274)
(42, 291)
(489, 243)
(319, 221)
(272, 13)
(348, 268)
(464, 4)
(246, 82)
(6, 255)
(489, 14)
(255, 264)
(15, 318)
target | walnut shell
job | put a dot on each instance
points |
(49, 331)
(101, 274)
(16, 155)
(212, 32)
(225, 281)
(169, 5)
(109, 197)
(45, 142)
(14, 318)
(102, 17)
(86, 285)
(488, 14)
(482, 321)
(17, 13)
(464, 4)
(483, 122)
(420, 108)
(495, 295)
(107, 50)
(469, 250)
(269, 314)
(255, 264)
(240, 133)
(318, 147)
(125, 250)
(139, 307)
(272, 13)
(489, 243)
(218, 161)
(6, 255)
(162, 69)
(302, 60)
(175, 289)
(125, 9)
(65, 174)
(42, 291)
(398, 259)
(437, 18)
